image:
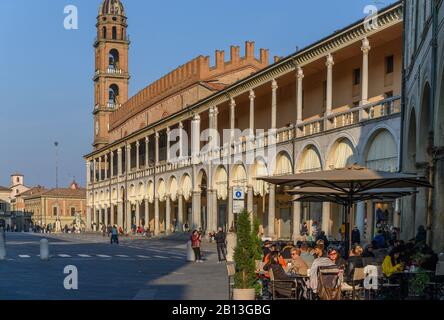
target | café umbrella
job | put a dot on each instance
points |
(350, 185)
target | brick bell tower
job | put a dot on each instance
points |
(111, 76)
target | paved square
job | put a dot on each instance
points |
(135, 269)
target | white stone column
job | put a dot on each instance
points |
(365, 70)
(232, 119)
(157, 148)
(106, 222)
(296, 220)
(119, 161)
(156, 216)
(100, 216)
(215, 210)
(147, 213)
(196, 210)
(195, 138)
(180, 212)
(210, 223)
(94, 179)
(215, 121)
(326, 208)
(168, 133)
(88, 218)
(181, 141)
(147, 152)
(137, 214)
(112, 222)
(88, 172)
(128, 159)
(250, 198)
(100, 169)
(106, 166)
(397, 214)
(300, 77)
(330, 62)
(271, 210)
(168, 214)
(111, 168)
(274, 87)
(230, 208)
(252, 96)
(137, 155)
(360, 218)
(128, 216)
(120, 214)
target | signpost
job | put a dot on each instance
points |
(238, 200)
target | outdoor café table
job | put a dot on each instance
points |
(405, 277)
(300, 281)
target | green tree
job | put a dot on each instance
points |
(244, 254)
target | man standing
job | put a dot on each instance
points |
(356, 236)
(221, 238)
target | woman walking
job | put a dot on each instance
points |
(195, 244)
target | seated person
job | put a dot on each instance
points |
(320, 261)
(368, 252)
(283, 289)
(354, 261)
(392, 263)
(334, 255)
(379, 240)
(306, 255)
(286, 251)
(297, 264)
(281, 260)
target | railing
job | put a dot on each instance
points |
(109, 71)
(337, 120)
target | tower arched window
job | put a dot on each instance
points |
(114, 33)
(113, 59)
(104, 32)
(113, 100)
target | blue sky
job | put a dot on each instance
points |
(46, 86)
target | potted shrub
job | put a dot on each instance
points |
(244, 259)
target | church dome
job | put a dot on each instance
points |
(112, 7)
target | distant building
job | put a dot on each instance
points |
(65, 204)
(4, 199)
(17, 187)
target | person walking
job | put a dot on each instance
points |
(195, 244)
(221, 241)
(114, 235)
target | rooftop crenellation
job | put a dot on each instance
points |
(194, 71)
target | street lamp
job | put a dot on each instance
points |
(56, 144)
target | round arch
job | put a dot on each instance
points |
(238, 176)
(221, 183)
(186, 187)
(382, 152)
(132, 191)
(310, 160)
(173, 188)
(161, 190)
(342, 153)
(424, 125)
(283, 164)
(150, 192)
(259, 169)
(140, 190)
